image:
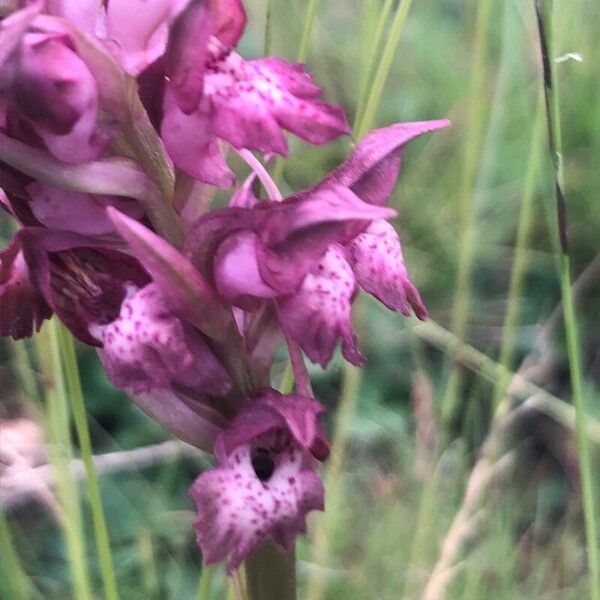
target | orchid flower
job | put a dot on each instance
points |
(265, 481)
(311, 250)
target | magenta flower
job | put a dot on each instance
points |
(265, 481)
(308, 251)
(106, 299)
(213, 93)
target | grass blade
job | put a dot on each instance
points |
(61, 453)
(78, 408)
(544, 15)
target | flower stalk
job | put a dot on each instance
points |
(271, 573)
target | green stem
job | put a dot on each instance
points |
(78, 408)
(22, 361)
(61, 454)
(544, 15)
(520, 259)
(583, 451)
(307, 29)
(271, 574)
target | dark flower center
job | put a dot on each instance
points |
(262, 463)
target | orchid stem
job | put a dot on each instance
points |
(206, 577)
(271, 573)
(544, 14)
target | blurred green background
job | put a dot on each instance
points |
(415, 430)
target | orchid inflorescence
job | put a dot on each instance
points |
(116, 122)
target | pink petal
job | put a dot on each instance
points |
(229, 21)
(376, 257)
(55, 91)
(268, 409)
(140, 28)
(86, 15)
(194, 423)
(252, 101)
(187, 54)
(147, 348)
(236, 271)
(190, 147)
(319, 314)
(57, 208)
(372, 169)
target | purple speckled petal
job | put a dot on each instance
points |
(22, 307)
(299, 230)
(376, 257)
(147, 347)
(251, 101)
(372, 168)
(319, 313)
